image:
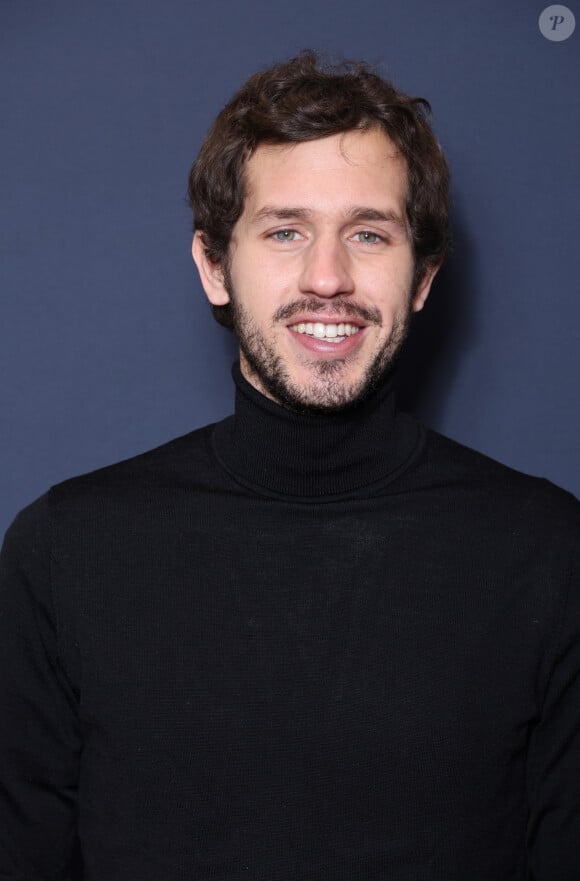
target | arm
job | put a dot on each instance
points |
(39, 732)
(554, 756)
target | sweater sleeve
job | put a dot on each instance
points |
(554, 755)
(39, 732)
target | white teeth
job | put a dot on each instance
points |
(335, 333)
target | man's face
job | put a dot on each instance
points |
(320, 270)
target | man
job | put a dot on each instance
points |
(315, 640)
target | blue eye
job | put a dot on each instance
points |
(368, 238)
(285, 235)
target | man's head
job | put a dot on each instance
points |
(319, 193)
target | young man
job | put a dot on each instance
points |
(313, 641)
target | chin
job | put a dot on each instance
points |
(329, 394)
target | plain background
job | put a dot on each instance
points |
(107, 346)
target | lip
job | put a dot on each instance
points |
(332, 318)
(324, 347)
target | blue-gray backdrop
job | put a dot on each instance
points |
(107, 346)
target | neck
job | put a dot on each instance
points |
(310, 455)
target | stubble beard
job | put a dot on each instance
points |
(328, 392)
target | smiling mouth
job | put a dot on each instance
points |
(333, 333)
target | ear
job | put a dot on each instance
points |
(210, 274)
(422, 292)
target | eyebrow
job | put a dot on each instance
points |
(270, 212)
(363, 213)
(356, 213)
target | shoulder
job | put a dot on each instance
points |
(184, 454)
(130, 484)
(476, 482)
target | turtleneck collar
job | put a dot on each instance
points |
(271, 448)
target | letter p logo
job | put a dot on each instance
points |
(556, 23)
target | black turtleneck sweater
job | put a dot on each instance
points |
(288, 648)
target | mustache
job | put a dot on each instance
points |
(340, 308)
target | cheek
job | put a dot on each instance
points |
(261, 284)
(252, 292)
(395, 286)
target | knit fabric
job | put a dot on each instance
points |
(288, 648)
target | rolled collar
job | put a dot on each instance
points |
(271, 448)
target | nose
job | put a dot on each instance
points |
(326, 269)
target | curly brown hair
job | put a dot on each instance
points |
(302, 100)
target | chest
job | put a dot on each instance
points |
(262, 624)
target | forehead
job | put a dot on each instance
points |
(348, 167)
